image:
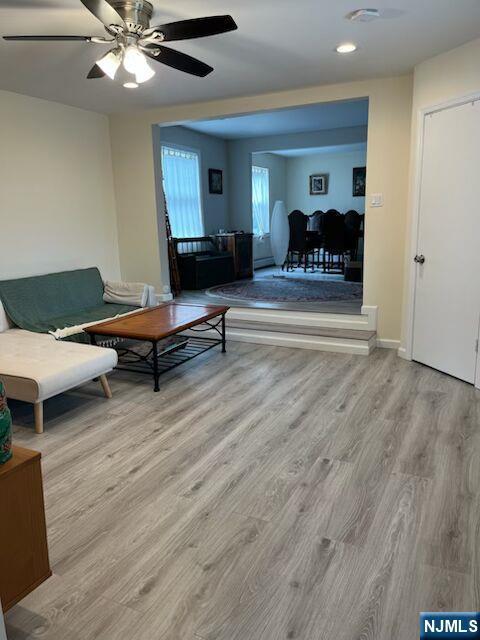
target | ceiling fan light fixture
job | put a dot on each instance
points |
(109, 63)
(130, 85)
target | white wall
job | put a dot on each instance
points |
(445, 77)
(339, 166)
(213, 155)
(277, 167)
(57, 205)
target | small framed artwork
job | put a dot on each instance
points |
(319, 184)
(359, 180)
(215, 181)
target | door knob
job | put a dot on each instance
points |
(419, 259)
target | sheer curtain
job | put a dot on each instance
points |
(181, 179)
(260, 200)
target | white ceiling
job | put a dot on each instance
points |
(280, 44)
(332, 115)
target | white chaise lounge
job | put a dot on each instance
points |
(35, 366)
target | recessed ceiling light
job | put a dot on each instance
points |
(346, 47)
(363, 15)
(130, 85)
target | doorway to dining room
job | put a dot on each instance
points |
(283, 193)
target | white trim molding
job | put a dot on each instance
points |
(402, 353)
(386, 343)
(258, 263)
(371, 312)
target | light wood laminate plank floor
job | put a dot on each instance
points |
(264, 494)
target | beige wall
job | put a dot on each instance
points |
(448, 76)
(57, 204)
(388, 163)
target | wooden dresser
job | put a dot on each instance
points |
(24, 560)
(241, 245)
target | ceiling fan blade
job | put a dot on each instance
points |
(95, 72)
(195, 28)
(47, 38)
(178, 60)
(104, 12)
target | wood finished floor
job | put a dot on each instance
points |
(266, 494)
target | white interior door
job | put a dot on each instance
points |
(447, 294)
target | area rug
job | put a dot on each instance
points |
(288, 290)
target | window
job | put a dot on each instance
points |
(260, 200)
(181, 179)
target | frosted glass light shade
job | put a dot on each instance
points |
(109, 63)
(279, 232)
(136, 63)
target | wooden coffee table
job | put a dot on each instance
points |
(157, 326)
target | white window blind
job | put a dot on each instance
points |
(181, 179)
(260, 200)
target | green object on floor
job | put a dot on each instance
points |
(5, 428)
(58, 300)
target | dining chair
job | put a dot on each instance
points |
(299, 244)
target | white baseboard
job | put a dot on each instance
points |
(402, 353)
(386, 343)
(263, 262)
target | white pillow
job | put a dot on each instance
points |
(5, 322)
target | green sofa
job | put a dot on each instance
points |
(58, 300)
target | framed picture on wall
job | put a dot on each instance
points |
(359, 180)
(319, 184)
(215, 181)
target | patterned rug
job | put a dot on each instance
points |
(288, 290)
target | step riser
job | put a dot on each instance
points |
(367, 321)
(297, 341)
(338, 333)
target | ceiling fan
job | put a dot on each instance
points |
(127, 23)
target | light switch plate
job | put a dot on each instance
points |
(376, 200)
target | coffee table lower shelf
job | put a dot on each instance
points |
(141, 360)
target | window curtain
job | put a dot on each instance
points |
(260, 201)
(181, 179)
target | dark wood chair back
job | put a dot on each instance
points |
(334, 233)
(314, 221)
(297, 222)
(353, 221)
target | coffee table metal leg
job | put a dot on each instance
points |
(223, 334)
(156, 375)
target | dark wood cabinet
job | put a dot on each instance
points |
(24, 560)
(241, 246)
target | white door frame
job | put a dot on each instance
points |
(412, 245)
